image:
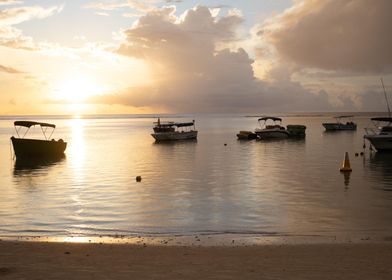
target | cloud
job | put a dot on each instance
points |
(18, 15)
(12, 37)
(191, 73)
(9, 2)
(139, 5)
(9, 70)
(338, 35)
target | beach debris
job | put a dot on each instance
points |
(346, 167)
(225, 144)
(138, 178)
(361, 153)
(356, 154)
(67, 253)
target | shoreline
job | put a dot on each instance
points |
(207, 239)
(59, 260)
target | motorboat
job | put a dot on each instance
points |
(296, 130)
(246, 135)
(167, 131)
(340, 124)
(271, 127)
(36, 148)
(381, 136)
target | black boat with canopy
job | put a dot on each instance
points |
(27, 148)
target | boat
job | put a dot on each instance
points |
(296, 130)
(168, 131)
(36, 148)
(271, 128)
(246, 135)
(340, 124)
(381, 136)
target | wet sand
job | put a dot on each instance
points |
(53, 260)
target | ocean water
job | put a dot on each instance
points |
(284, 187)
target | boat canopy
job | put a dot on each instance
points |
(270, 118)
(184, 124)
(382, 119)
(170, 124)
(30, 124)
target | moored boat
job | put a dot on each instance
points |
(33, 148)
(381, 136)
(296, 130)
(246, 135)
(167, 131)
(271, 128)
(340, 124)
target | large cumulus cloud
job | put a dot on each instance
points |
(338, 35)
(193, 71)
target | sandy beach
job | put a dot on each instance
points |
(52, 260)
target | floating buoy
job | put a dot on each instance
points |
(138, 178)
(346, 164)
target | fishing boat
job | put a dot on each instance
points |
(340, 124)
(381, 136)
(36, 148)
(271, 127)
(167, 131)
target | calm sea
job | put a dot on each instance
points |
(287, 187)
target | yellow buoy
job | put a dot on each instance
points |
(346, 167)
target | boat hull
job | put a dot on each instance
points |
(339, 126)
(272, 134)
(246, 135)
(177, 135)
(35, 148)
(382, 143)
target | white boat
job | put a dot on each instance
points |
(340, 124)
(381, 136)
(167, 131)
(271, 128)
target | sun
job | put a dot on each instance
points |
(76, 88)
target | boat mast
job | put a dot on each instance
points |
(386, 97)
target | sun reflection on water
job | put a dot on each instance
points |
(76, 149)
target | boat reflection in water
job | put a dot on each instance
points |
(380, 166)
(24, 166)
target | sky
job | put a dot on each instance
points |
(189, 56)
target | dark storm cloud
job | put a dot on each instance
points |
(347, 35)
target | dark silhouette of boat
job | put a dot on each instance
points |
(37, 148)
(341, 125)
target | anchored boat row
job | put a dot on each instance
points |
(380, 137)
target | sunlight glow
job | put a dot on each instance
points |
(76, 88)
